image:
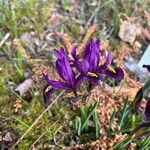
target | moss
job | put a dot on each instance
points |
(18, 17)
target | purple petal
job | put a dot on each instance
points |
(61, 53)
(94, 81)
(94, 78)
(147, 67)
(74, 54)
(47, 92)
(65, 72)
(60, 85)
(63, 67)
(141, 130)
(56, 84)
(97, 42)
(118, 74)
(85, 66)
(147, 110)
(80, 79)
(82, 67)
(46, 77)
(57, 54)
(92, 53)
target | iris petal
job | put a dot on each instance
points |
(92, 53)
(82, 67)
(147, 110)
(85, 66)
(46, 77)
(63, 67)
(60, 85)
(57, 54)
(80, 79)
(118, 74)
(56, 84)
(47, 92)
(94, 81)
(74, 55)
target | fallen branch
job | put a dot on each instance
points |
(4, 39)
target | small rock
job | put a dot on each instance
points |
(129, 31)
(24, 87)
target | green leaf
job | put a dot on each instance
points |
(88, 117)
(146, 143)
(95, 118)
(78, 126)
(111, 121)
(125, 113)
(123, 144)
(84, 115)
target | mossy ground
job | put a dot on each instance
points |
(56, 127)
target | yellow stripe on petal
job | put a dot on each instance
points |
(112, 69)
(92, 74)
(48, 88)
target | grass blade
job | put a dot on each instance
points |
(88, 117)
(95, 118)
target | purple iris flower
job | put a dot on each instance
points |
(69, 80)
(90, 67)
(144, 128)
(147, 110)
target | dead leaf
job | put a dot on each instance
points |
(124, 51)
(146, 33)
(147, 15)
(86, 38)
(67, 41)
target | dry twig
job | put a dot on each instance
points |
(4, 39)
(86, 38)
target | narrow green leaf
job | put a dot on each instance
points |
(125, 112)
(95, 118)
(88, 117)
(111, 121)
(123, 144)
(21, 122)
(78, 126)
(84, 114)
(146, 143)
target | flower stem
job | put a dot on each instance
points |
(90, 87)
(75, 93)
